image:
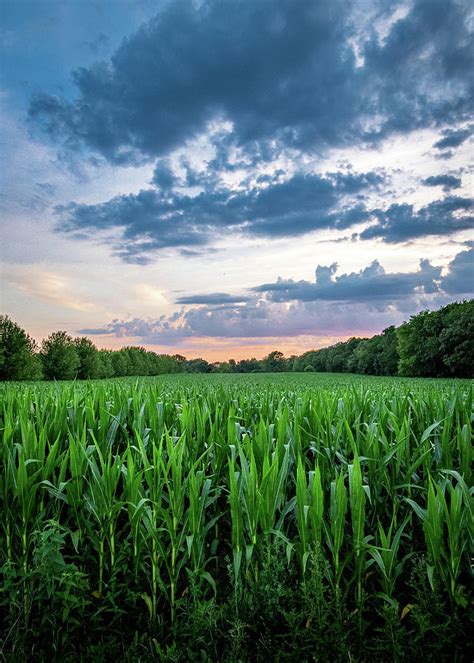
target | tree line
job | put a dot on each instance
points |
(431, 344)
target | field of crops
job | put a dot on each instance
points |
(260, 517)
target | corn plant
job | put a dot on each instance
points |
(386, 555)
(357, 502)
(337, 524)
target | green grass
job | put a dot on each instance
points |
(153, 516)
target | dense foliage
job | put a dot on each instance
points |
(18, 358)
(439, 343)
(436, 344)
(226, 518)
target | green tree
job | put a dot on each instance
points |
(457, 339)
(439, 343)
(60, 357)
(274, 362)
(89, 363)
(139, 364)
(121, 363)
(18, 358)
(198, 365)
(180, 361)
(365, 357)
(249, 366)
(221, 367)
(338, 355)
(106, 369)
(388, 356)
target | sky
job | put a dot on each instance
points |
(223, 178)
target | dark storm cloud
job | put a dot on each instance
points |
(448, 182)
(164, 218)
(156, 219)
(400, 223)
(163, 176)
(279, 71)
(214, 298)
(370, 283)
(305, 203)
(460, 279)
(452, 138)
(147, 222)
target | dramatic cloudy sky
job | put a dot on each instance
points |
(227, 177)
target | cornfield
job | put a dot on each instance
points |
(122, 501)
